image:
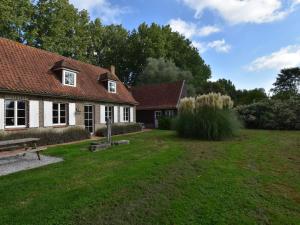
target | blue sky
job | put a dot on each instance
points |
(244, 41)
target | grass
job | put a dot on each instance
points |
(162, 179)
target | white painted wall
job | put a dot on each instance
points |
(1, 113)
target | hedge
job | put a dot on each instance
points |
(165, 123)
(272, 114)
(119, 129)
(51, 136)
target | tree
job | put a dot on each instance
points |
(156, 41)
(240, 97)
(15, 18)
(222, 86)
(110, 47)
(287, 83)
(245, 97)
(163, 71)
(58, 27)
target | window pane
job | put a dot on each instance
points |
(55, 120)
(69, 78)
(21, 121)
(9, 104)
(55, 106)
(21, 105)
(62, 106)
(55, 113)
(62, 119)
(21, 113)
(62, 113)
(10, 113)
(9, 122)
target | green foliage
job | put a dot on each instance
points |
(226, 87)
(244, 97)
(119, 129)
(208, 124)
(165, 123)
(51, 136)
(164, 71)
(161, 179)
(272, 114)
(209, 117)
(15, 18)
(287, 83)
(57, 26)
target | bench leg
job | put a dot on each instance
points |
(38, 155)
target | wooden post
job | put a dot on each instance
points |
(108, 127)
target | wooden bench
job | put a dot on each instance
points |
(19, 147)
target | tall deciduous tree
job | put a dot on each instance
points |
(287, 83)
(163, 71)
(57, 26)
(156, 41)
(15, 17)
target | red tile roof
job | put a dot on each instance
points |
(158, 96)
(28, 70)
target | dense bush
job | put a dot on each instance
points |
(165, 123)
(50, 136)
(208, 117)
(272, 114)
(119, 129)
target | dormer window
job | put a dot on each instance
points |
(112, 86)
(69, 78)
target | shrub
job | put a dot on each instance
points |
(274, 114)
(165, 123)
(210, 118)
(119, 129)
(51, 136)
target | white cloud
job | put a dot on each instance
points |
(202, 47)
(218, 45)
(190, 30)
(286, 57)
(103, 9)
(245, 11)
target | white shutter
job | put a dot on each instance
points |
(72, 111)
(131, 114)
(48, 113)
(116, 116)
(1, 114)
(33, 113)
(121, 114)
(102, 113)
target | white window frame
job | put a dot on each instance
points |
(169, 113)
(110, 82)
(58, 115)
(126, 112)
(64, 78)
(15, 114)
(106, 111)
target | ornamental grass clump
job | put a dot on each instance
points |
(208, 117)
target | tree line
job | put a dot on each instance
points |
(148, 54)
(57, 26)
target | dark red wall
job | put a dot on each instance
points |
(147, 117)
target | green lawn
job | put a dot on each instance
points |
(161, 179)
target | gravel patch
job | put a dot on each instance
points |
(29, 161)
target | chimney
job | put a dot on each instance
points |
(113, 69)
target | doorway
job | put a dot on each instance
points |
(89, 118)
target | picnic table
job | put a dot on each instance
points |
(23, 146)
